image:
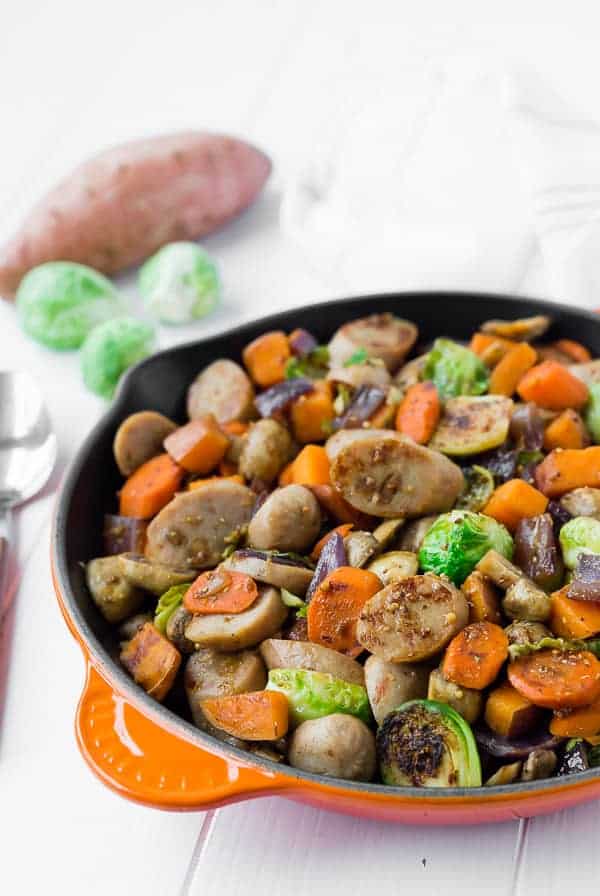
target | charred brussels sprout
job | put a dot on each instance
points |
(455, 370)
(479, 485)
(315, 694)
(427, 744)
(458, 540)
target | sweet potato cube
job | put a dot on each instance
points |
(510, 714)
(482, 597)
(198, 446)
(152, 661)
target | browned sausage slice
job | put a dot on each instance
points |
(413, 619)
(380, 335)
(390, 476)
(139, 438)
(289, 520)
(222, 389)
(191, 530)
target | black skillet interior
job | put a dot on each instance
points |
(160, 383)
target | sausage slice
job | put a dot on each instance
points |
(289, 520)
(380, 335)
(413, 619)
(390, 476)
(139, 438)
(191, 530)
(222, 389)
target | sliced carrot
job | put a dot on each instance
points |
(575, 350)
(573, 618)
(338, 508)
(482, 597)
(566, 469)
(220, 591)
(266, 357)
(555, 679)
(577, 722)
(200, 483)
(513, 501)
(286, 477)
(198, 446)
(567, 431)
(260, 715)
(235, 428)
(341, 530)
(311, 413)
(552, 386)
(510, 714)
(335, 607)
(507, 374)
(150, 488)
(152, 661)
(311, 467)
(491, 349)
(419, 412)
(475, 655)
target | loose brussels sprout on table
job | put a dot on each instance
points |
(111, 349)
(458, 540)
(60, 302)
(427, 744)
(180, 283)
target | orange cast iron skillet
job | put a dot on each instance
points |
(146, 752)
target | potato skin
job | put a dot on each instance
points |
(125, 203)
(338, 745)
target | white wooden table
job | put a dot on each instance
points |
(74, 77)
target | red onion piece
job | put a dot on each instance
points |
(517, 748)
(123, 534)
(284, 559)
(366, 400)
(585, 584)
(332, 557)
(302, 343)
(527, 427)
(278, 397)
(560, 515)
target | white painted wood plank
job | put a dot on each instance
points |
(273, 845)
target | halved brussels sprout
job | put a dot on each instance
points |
(427, 744)
(458, 540)
(579, 536)
(312, 695)
(455, 370)
(592, 412)
(472, 425)
(394, 565)
(479, 485)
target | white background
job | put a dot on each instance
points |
(292, 76)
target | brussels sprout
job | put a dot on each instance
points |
(457, 542)
(479, 485)
(592, 412)
(110, 349)
(315, 694)
(180, 283)
(471, 425)
(579, 536)
(59, 303)
(169, 602)
(427, 744)
(455, 370)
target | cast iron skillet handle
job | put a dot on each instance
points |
(142, 761)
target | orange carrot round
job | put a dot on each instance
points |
(419, 412)
(474, 657)
(575, 350)
(335, 607)
(342, 530)
(150, 488)
(551, 385)
(260, 715)
(220, 591)
(556, 679)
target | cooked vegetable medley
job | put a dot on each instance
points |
(367, 565)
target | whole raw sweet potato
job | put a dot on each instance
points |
(124, 204)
